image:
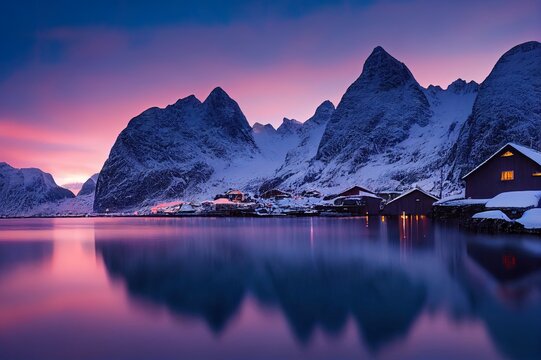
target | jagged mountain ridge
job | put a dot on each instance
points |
(192, 150)
(24, 189)
(387, 133)
(173, 152)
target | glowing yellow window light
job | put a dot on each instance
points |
(536, 174)
(507, 175)
(507, 154)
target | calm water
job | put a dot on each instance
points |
(291, 288)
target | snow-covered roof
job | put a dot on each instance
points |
(360, 196)
(223, 201)
(492, 214)
(412, 190)
(530, 153)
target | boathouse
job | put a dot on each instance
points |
(511, 168)
(353, 191)
(364, 204)
(413, 202)
(275, 194)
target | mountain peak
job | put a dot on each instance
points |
(259, 128)
(327, 105)
(384, 71)
(522, 48)
(463, 87)
(191, 99)
(289, 126)
(217, 93)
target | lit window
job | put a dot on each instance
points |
(507, 175)
(507, 154)
(536, 174)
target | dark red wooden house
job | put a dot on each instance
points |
(353, 191)
(413, 202)
(275, 194)
(512, 168)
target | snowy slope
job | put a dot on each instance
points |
(507, 109)
(297, 159)
(387, 133)
(89, 186)
(23, 189)
(182, 150)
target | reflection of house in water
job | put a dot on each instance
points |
(17, 254)
(414, 231)
(505, 287)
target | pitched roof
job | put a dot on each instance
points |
(360, 188)
(530, 153)
(410, 191)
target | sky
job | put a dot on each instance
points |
(73, 73)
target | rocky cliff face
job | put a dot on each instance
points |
(23, 189)
(375, 113)
(387, 133)
(170, 153)
(507, 109)
(89, 186)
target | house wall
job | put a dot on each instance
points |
(485, 182)
(414, 203)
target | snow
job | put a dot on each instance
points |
(515, 199)
(531, 219)
(415, 160)
(387, 133)
(507, 109)
(492, 214)
(460, 202)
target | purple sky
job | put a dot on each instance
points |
(73, 84)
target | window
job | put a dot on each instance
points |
(507, 175)
(536, 174)
(507, 154)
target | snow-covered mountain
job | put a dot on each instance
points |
(297, 157)
(507, 109)
(82, 204)
(387, 133)
(185, 149)
(89, 186)
(23, 189)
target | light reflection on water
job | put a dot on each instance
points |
(288, 288)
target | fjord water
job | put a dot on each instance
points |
(251, 288)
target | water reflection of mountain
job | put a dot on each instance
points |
(505, 285)
(322, 276)
(14, 255)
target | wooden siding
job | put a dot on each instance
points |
(486, 182)
(414, 203)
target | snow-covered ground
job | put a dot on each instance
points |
(491, 214)
(531, 219)
(515, 199)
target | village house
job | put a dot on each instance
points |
(511, 168)
(275, 194)
(353, 191)
(235, 195)
(413, 202)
